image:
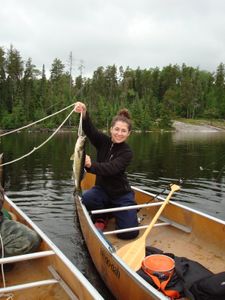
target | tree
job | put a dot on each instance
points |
(189, 91)
(152, 95)
(2, 80)
(29, 80)
(169, 77)
(14, 70)
(56, 76)
(2, 65)
(220, 89)
(111, 84)
(57, 69)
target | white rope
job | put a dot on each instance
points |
(41, 145)
(2, 266)
(38, 121)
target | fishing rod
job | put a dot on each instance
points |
(201, 169)
(182, 180)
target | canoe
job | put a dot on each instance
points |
(180, 230)
(45, 274)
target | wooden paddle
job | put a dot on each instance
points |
(136, 251)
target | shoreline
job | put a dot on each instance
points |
(185, 127)
(177, 126)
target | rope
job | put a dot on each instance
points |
(2, 266)
(41, 145)
(38, 121)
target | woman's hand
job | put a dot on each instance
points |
(87, 161)
(80, 107)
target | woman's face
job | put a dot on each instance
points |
(119, 132)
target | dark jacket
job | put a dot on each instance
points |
(112, 161)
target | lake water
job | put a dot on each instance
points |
(42, 186)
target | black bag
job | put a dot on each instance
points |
(210, 288)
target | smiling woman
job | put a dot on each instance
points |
(121, 126)
(114, 155)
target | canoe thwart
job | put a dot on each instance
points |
(16, 258)
(165, 222)
(133, 228)
(107, 210)
(28, 285)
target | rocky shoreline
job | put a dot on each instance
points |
(184, 127)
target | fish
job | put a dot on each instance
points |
(78, 158)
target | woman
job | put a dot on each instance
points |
(111, 188)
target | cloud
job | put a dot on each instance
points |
(143, 33)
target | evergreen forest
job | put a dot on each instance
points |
(154, 96)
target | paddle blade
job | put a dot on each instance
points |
(135, 254)
(136, 251)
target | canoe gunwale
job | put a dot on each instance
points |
(178, 204)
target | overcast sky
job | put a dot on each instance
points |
(134, 33)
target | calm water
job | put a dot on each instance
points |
(42, 186)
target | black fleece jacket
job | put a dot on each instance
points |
(112, 160)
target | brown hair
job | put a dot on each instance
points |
(123, 115)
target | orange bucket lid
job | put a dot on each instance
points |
(158, 263)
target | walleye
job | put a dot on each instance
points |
(78, 158)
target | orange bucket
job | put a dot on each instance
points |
(159, 265)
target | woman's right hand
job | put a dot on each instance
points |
(80, 107)
(87, 161)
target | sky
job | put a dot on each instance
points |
(134, 33)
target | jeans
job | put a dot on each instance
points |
(96, 198)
